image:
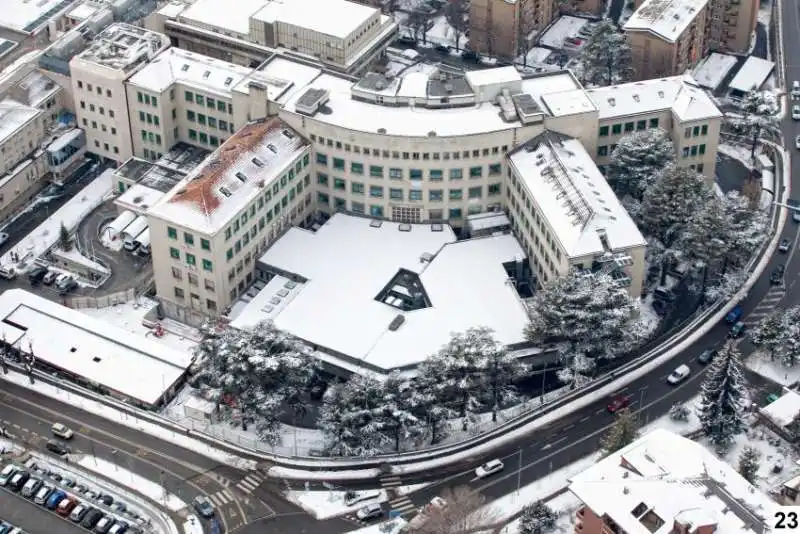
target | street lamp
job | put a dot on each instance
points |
(519, 471)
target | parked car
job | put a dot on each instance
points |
(796, 216)
(31, 487)
(69, 286)
(49, 277)
(61, 431)
(42, 494)
(106, 499)
(104, 525)
(796, 112)
(444, 49)
(56, 448)
(3, 238)
(355, 497)
(706, 356)
(795, 89)
(737, 330)
(91, 518)
(470, 55)
(777, 275)
(5, 528)
(734, 315)
(62, 279)
(120, 527)
(6, 474)
(406, 41)
(678, 375)
(370, 511)
(79, 512)
(18, 479)
(797, 142)
(66, 506)
(619, 402)
(784, 246)
(36, 275)
(203, 506)
(663, 294)
(489, 468)
(55, 499)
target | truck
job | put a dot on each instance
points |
(734, 315)
(437, 503)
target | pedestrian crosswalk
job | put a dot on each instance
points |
(402, 505)
(249, 483)
(221, 498)
(390, 481)
(767, 304)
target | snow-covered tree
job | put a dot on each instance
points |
(758, 116)
(637, 161)
(456, 13)
(722, 398)
(704, 236)
(501, 374)
(465, 512)
(396, 413)
(679, 412)
(747, 228)
(586, 315)
(256, 373)
(351, 418)
(419, 22)
(791, 353)
(622, 433)
(427, 405)
(668, 204)
(606, 57)
(793, 428)
(64, 239)
(727, 285)
(770, 333)
(749, 464)
(537, 518)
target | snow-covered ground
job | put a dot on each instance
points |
(129, 316)
(536, 56)
(327, 504)
(411, 488)
(139, 484)
(193, 525)
(442, 33)
(759, 362)
(395, 526)
(566, 26)
(738, 152)
(70, 214)
(564, 505)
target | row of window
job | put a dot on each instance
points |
(180, 294)
(204, 138)
(394, 173)
(149, 118)
(191, 259)
(208, 102)
(694, 150)
(695, 131)
(627, 127)
(99, 109)
(106, 147)
(424, 156)
(152, 155)
(103, 127)
(146, 99)
(150, 137)
(434, 195)
(377, 210)
(211, 122)
(534, 218)
(90, 88)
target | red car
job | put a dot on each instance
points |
(66, 506)
(619, 402)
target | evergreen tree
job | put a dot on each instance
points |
(793, 428)
(622, 433)
(704, 237)
(770, 333)
(749, 464)
(759, 116)
(679, 192)
(747, 228)
(606, 57)
(726, 285)
(537, 518)
(501, 374)
(64, 239)
(426, 404)
(398, 421)
(679, 412)
(637, 160)
(791, 352)
(722, 396)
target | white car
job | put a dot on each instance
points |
(795, 89)
(489, 468)
(796, 112)
(63, 279)
(61, 431)
(679, 374)
(797, 142)
(370, 511)
(355, 497)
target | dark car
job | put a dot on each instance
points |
(106, 499)
(37, 275)
(203, 506)
(777, 275)
(444, 49)
(737, 330)
(409, 42)
(784, 246)
(69, 286)
(91, 518)
(619, 402)
(56, 448)
(470, 55)
(706, 356)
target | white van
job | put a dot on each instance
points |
(8, 272)
(795, 89)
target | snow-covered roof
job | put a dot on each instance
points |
(235, 17)
(36, 87)
(349, 264)
(662, 478)
(573, 196)
(752, 75)
(233, 176)
(103, 354)
(123, 47)
(499, 75)
(337, 18)
(139, 198)
(26, 16)
(13, 116)
(281, 77)
(666, 18)
(64, 139)
(172, 9)
(713, 69)
(175, 65)
(681, 94)
(83, 11)
(565, 26)
(782, 411)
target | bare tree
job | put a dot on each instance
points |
(466, 512)
(419, 22)
(456, 15)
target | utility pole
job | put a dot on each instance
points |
(519, 471)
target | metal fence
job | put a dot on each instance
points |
(112, 299)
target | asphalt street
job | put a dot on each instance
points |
(31, 518)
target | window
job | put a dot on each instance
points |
(179, 293)
(177, 274)
(415, 174)
(201, 119)
(396, 174)
(339, 184)
(111, 113)
(214, 140)
(685, 152)
(616, 129)
(190, 115)
(192, 135)
(475, 192)
(696, 131)
(322, 159)
(221, 106)
(139, 97)
(188, 96)
(207, 265)
(229, 254)
(322, 198)
(141, 116)
(210, 102)
(203, 137)
(436, 175)
(205, 244)
(602, 151)
(700, 167)
(172, 233)
(339, 203)
(415, 195)
(704, 129)
(357, 188)
(456, 194)
(694, 150)
(435, 195)
(603, 131)
(356, 168)
(338, 164)
(322, 179)
(475, 172)
(628, 127)
(154, 100)
(376, 191)
(376, 211)
(702, 149)
(212, 122)
(174, 253)
(641, 125)
(211, 305)
(192, 278)
(495, 189)
(396, 194)
(191, 259)
(653, 123)
(455, 213)
(376, 171)
(687, 133)
(199, 100)
(223, 125)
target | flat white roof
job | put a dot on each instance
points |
(281, 77)
(231, 177)
(337, 18)
(713, 69)
(234, 17)
(499, 75)
(13, 116)
(123, 47)
(26, 15)
(669, 479)
(172, 9)
(681, 94)
(665, 18)
(752, 75)
(64, 139)
(83, 11)
(574, 197)
(175, 65)
(348, 262)
(139, 198)
(783, 410)
(134, 366)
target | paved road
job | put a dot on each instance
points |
(22, 513)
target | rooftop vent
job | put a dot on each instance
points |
(661, 94)
(290, 285)
(636, 98)
(432, 134)
(228, 81)
(381, 130)
(241, 176)
(257, 162)
(396, 323)
(184, 68)
(437, 227)
(529, 148)
(404, 227)
(283, 292)
(426, 257)
(448, 87)
(311, 101)
(375, 223)
(288, 133)
(272, 148)
(96, 359)
(225, 192)
(206, 74)
(612, 102)
(275, 300)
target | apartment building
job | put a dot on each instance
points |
(566, 216)
(207, 232)
(98, 76)
(667, 37)
(667, 484)
(677, 104)
(341, 35)
(22, 128)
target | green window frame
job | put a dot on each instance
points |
(475, 172)
(415, 174)
(229, 254)
(221, 106)
(174, 253)
(376, 191)
(604, 131)
(357, 188)
(322, 179)
(654, 123)
(456, 194)
(339, 184)
(395, 194)
(356, 168)
(188, 96)
(456, 174)
(436, 175)
(629, 127)
(616, 129)
(322, 159)
(172, 233)
(338, 164)
(199, 100)
(376, 171)
(641, 125)
(495, 169)
(208, 266)
(205, 244)
(704, 129)
(702, 149)
(191, 259)
(139, 96)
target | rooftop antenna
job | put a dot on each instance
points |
(205, 205)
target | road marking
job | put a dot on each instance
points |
(570, 427)
(391, 481)
(220, 498)
(601, 410)
(249, 483)
(401, 504)
(586, 418)
(556, 442)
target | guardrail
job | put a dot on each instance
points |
(708, 317)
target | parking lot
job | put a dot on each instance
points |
(31, 518)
